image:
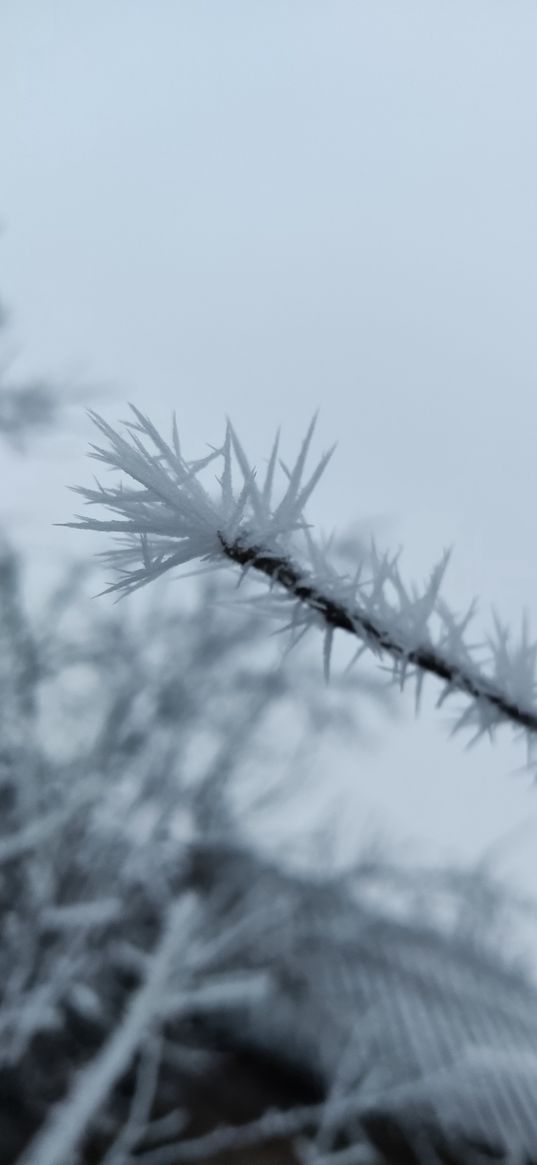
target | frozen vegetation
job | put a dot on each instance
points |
(171, 991)
(165, 518)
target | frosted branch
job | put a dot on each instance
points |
(169, 520)
(68, 1123)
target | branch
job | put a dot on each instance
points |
(357, 621)
(68, 1123)
(171, 520)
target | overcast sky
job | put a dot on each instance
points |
(261, 207)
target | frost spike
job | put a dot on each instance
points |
(295, 475)
(246, 471)
(327, 652)
(269, 477)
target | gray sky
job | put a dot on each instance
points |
(258, 208)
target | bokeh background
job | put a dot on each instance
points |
(260, 209)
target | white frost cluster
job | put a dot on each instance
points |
(172, 520)
(168, 519)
